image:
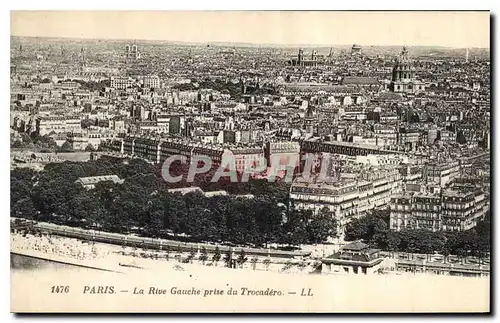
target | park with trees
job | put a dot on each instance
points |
(143, 204)
(35, 142)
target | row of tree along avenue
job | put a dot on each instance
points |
(374, 229)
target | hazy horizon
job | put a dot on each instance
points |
(243, 44)
(268, 28)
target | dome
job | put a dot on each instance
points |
(403, 57)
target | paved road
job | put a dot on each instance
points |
(436, 258)
(160, 244)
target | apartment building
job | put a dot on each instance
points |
(282, 154)
(462, 209)
(148, 149)
(158, 150)
(441, 173)
(385, 134)
(117, 124)
(409, 137)
(69, 85)
(121, 82)
(151, 82)
(248, 157)
(452, 210)
(347, 198)
(411, 173)
(48, 124)
(447, 136)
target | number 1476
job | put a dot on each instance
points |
(60, 289)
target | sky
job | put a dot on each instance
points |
(422, 28)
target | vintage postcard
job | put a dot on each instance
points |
(250, 161)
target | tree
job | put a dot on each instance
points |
(23, 208)
(383, 214)
(168, 249)
(66, 147)
(216, 257)
(44, 142)
(365, 228)
(242, 258)
(192, 254)
(203, 255)
(13, 137)
(429, 242)
(408, 241)
(445, 251)
(266, 263)
(228, 258)
(89, 148)
(253, 261)
(483, 234)
(295, 228)
(322, 226)
(17, 144)
(85, 207)
(481, 247)
(392, 241)
(156, 215)
(20, 186)
(26, 138)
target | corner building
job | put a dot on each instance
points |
(452, 210)
(347, 198)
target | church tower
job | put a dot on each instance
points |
(82, 62)
(132, 51)
(301, 57)
(310, 120)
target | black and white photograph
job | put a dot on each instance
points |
(250, 161)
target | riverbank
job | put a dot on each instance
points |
(119, 253)
(126, 259)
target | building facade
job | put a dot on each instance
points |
(68, 124)
(121, 82)
(354, 258)
(441, 173)
(452, 210)
(151, 82)
(346, 198)
(403, 75)
(305, 61)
